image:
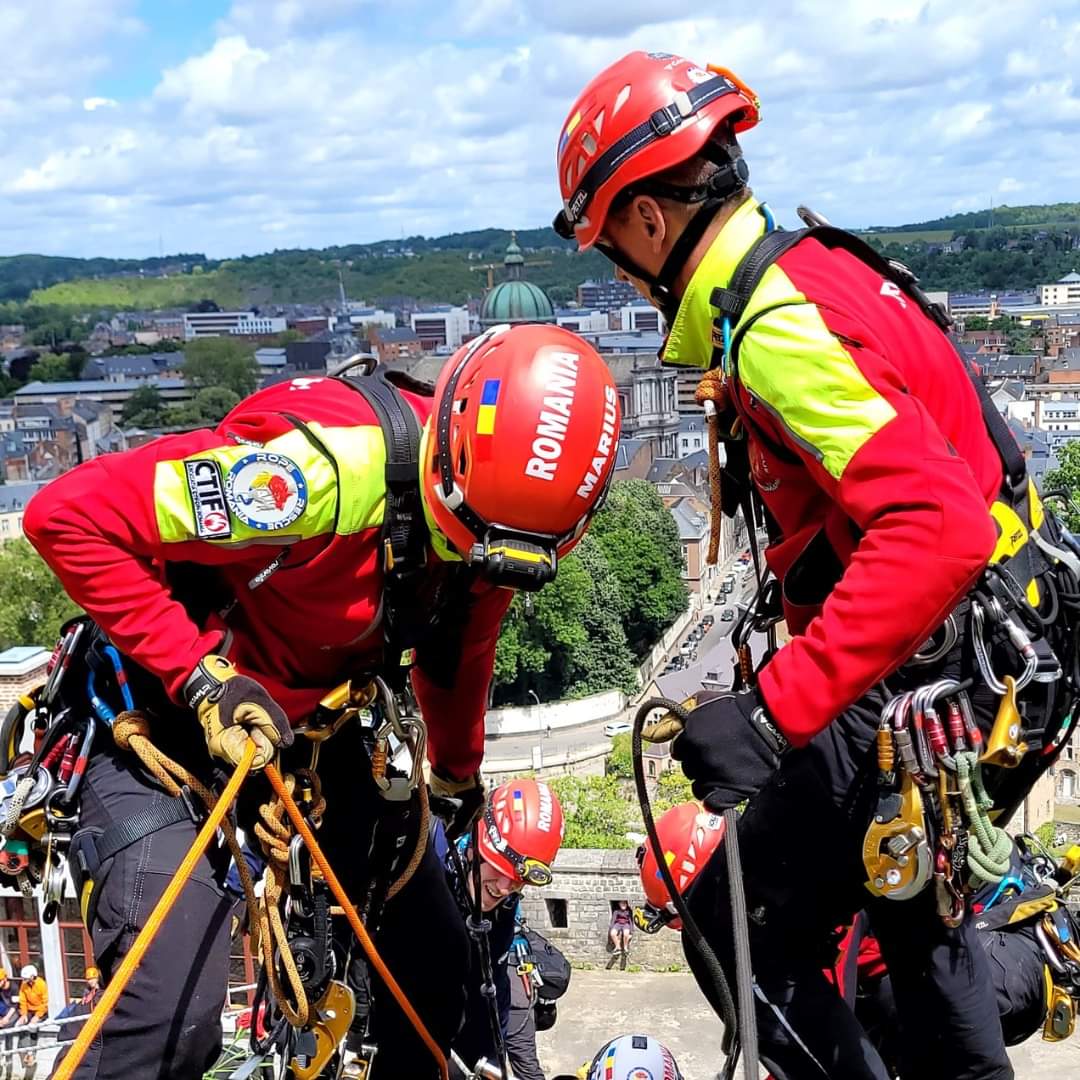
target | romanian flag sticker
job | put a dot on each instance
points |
(485, 415)
(609, 1063)
(519, 802)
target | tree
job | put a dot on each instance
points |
(672, 788)
(597, 812)
(146, 404)
(60, 367)
(221, 362)
(214, 402)
(567, 640)
(33, 603)
(1066, 477)
(187, 415)
(620, 762)
(639, 537)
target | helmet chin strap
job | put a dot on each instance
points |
(731, 177)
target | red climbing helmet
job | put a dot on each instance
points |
(646, 113)
(688, 834)
(522, 830)
(521, 449)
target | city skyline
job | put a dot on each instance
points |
(238, 128)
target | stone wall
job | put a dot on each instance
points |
(584, 886)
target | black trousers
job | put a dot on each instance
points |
(167, 1023)
(801, 842)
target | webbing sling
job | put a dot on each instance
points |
(733, 300)
(405, 533)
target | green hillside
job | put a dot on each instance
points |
(21, 274)
(1000, 216)
(1011, 255)
(438, 270)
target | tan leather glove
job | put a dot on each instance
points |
(458, 802)
(230, 707)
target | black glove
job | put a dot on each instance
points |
(458, 802)
(231, 707)
(729, 748)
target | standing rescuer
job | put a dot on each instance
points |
(890, 495)
(246, 571)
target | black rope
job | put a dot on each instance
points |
(728, 1015)
(479, 928)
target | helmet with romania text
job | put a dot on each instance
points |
(521, 830)
(520, 449)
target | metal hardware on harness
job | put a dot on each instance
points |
(1004, 747)
(409, 731)
(360, 1067)
(896, 854)
(934, 652)
(334, 1012)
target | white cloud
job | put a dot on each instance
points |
(328, 122)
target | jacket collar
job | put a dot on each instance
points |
(690, 340)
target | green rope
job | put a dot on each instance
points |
(989, 848)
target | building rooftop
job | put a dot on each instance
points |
(397, 335)
(626, 341)
(691, 521)
(627, 451)
(1070, 279)
(90, 387)
(22, 660)
(16, 496)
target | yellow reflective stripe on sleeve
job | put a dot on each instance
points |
(360, 455)
(791, 362)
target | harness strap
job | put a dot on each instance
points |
(733, 301)
(160, 814)
(405, 533)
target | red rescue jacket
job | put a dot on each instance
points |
(235, 498)
(868, 446)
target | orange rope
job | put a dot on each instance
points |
(302, 827)
(153, 924)
(713, 391)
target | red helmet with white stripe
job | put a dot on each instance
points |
(643, 115)
(520, 450)
(522, 830)
(688, 834)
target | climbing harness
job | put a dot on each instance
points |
(740, 1024)
(311, 1009)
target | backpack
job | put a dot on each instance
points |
(554, 968)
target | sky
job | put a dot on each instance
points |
(129, 128)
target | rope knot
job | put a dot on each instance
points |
(128, 724)
(713, 387)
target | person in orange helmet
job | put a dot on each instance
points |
(327, 529)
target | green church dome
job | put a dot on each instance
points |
(516, 302)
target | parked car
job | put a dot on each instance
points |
(686, 647)
(617, 727)
(727, 615)
(707, 621)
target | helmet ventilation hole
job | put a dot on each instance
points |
(598, 123)
(621, 99)
(588, 143)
